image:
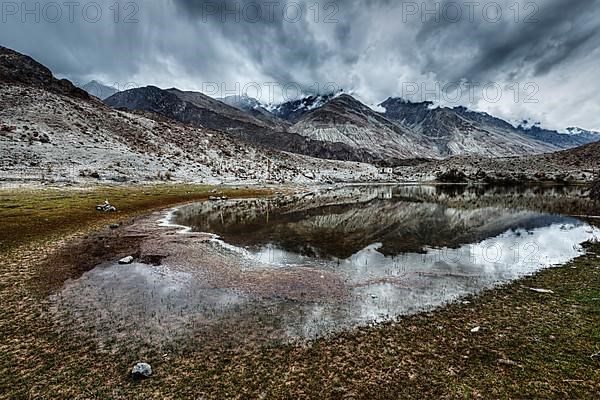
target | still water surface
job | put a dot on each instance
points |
(395, 250)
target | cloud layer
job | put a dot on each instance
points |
(534, 60)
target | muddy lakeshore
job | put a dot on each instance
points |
(230, 273)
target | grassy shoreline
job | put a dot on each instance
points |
(39, 214)
(530, 345)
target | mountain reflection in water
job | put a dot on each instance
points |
(341, 224)
(393, 250)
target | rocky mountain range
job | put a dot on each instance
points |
(460, 131)
(99, 90)
(338, 126)
(346, 120)
(202, 111)
(50, 129)
(573, 138)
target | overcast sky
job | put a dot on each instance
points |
(535, 60)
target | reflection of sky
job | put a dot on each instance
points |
(385, 287)
(313, 227)
(509, 255)
(164, 303)
(144, 303)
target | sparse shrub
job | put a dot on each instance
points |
(540, 176)
(452, 176)
(85, 173)
(7, 128)
(595, 189)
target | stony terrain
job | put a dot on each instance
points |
(264, 129)
(338, 126)
(581, 164)
(50, 136)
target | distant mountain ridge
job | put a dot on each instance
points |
(350, 130)
(203, 111)
(440, 120)
(99, 90)
(573, 138)
(564, 140)
(439, 123)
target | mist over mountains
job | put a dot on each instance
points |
(405, 130)
(50, 126)
(99, 90)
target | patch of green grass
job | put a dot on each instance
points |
(591, 300)
(31, 215)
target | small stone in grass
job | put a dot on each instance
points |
(476, 329)
(141, 370)
(126, 260)
(541, 290)
(507, 361)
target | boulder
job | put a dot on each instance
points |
(126, 260)
(106, 207)
(141, 371)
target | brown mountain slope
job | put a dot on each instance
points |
(16, 68)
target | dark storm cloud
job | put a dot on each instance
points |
(531, 38)
(274, 34)
(370, 47)
(535, 40)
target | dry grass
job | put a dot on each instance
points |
(31, 215)
(530, 345)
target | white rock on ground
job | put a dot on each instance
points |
(541, 290)
(141, 370)
(126, 260)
